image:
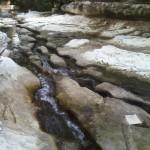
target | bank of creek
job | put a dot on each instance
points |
(83, 97)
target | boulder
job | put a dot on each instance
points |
(72, 95)
(27, 38)
(43, 50)
(51, 46)
(31, 39)
(19, 127)
(30, 45)
(105, 122)
(41, 37)
(24, 31)
(58, 61)
(25, 49)
(9, 40)
(34, 57)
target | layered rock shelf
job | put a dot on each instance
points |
(124, 10)
(89, 73)
(19, 127)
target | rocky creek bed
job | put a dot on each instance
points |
(90, 78)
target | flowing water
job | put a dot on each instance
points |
(52, 117)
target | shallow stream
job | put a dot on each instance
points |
(53, 119)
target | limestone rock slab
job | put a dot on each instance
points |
(105, 122)
(19, 127)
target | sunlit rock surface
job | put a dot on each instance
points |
(132, 42)
(57, 61)
(55, 22)
(77, 42)
(134, 63)
(43, 50)
(7, 22)
(105, 122)
(30, 14)
(78, 98)
(19, 127)
(130, 63)
(103, 119)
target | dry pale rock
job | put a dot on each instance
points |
(19, 127)
(77, 43)
(131, 63)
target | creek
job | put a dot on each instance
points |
(53, 119)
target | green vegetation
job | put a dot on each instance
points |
(41, 5)
(34, 4)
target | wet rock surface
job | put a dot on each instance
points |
(58, 61)
(57, 121)
(101, 120)
(104, 121)
(132, 43)
(102, 117)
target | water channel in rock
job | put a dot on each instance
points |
(52, 118)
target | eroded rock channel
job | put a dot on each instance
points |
(86, 85)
